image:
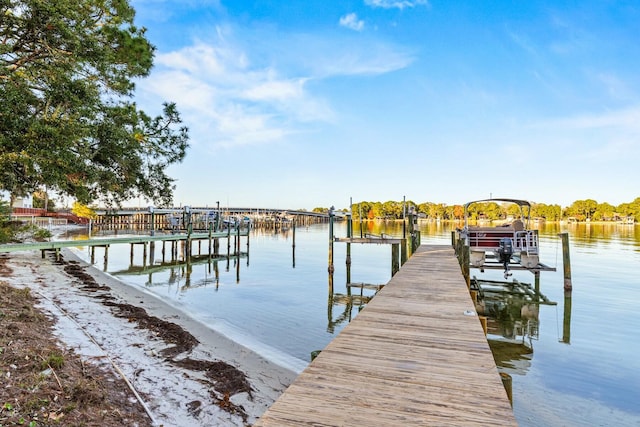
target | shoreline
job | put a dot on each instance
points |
(87, 322)
(222, 328)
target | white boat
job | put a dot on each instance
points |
(510, 242)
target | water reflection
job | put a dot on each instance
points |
(512, 309)
(350, 301)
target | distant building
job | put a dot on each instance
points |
(19, 202)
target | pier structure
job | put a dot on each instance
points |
(415, 355)
(200, 218)
(181, 245)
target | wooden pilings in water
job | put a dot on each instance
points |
(153, 219)
(398, 246)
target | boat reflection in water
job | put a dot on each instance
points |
(512, 310)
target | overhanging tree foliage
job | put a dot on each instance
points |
(67, 119)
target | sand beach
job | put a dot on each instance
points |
(180, 371)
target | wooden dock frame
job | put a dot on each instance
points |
(145, 240)
(401, 248)
(415, 355)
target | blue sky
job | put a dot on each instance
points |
(305, 103)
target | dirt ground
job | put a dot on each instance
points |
(45, 384)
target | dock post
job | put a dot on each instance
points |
(566, 261)
(404, 251)
(152, 253)
(153, 222)
(507, 382)
(131, 254)
(349, 235)
(331, 268)
(237, 249)
(568, 287)
(293, 245)
(566, 318)
(463, 259)
(188, 242)
(144, 254)
(249, 232)
(330, 296)
(483, 322)
(93, 254)
(210, 242)
(238, 263)
(395, 264)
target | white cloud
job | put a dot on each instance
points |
(230, 95)
(276, 90)
(352, 22)
(226, 101)
(396, 4)
(604, 138)
(625, 119)
(379, 59)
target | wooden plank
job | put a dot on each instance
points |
(416, 355)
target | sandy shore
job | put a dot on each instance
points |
(162, 373)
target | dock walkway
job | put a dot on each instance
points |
(415, 356)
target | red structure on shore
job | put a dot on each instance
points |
(42, 213)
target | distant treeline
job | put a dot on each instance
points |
(580, 210)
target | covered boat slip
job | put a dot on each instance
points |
(416, 355)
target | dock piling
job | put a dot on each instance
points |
(331, 268)
(566, 261)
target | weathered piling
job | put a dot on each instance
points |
(349, 235)
(293, 243)
(395, 263)
(566, 318)
(566, 261)
(331, 268)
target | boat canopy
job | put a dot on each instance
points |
(525, 208)
(518, 202)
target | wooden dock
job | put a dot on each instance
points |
(415, 356)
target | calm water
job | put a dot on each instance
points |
(582, 373)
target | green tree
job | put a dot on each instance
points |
(548, 212)
(67, 119)
(455, 212)
(582, 209)
(5, 211)
(437, 210)
(604, 212)
(375, 211)
(513, 210)
(630, 209)
(392, 210)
